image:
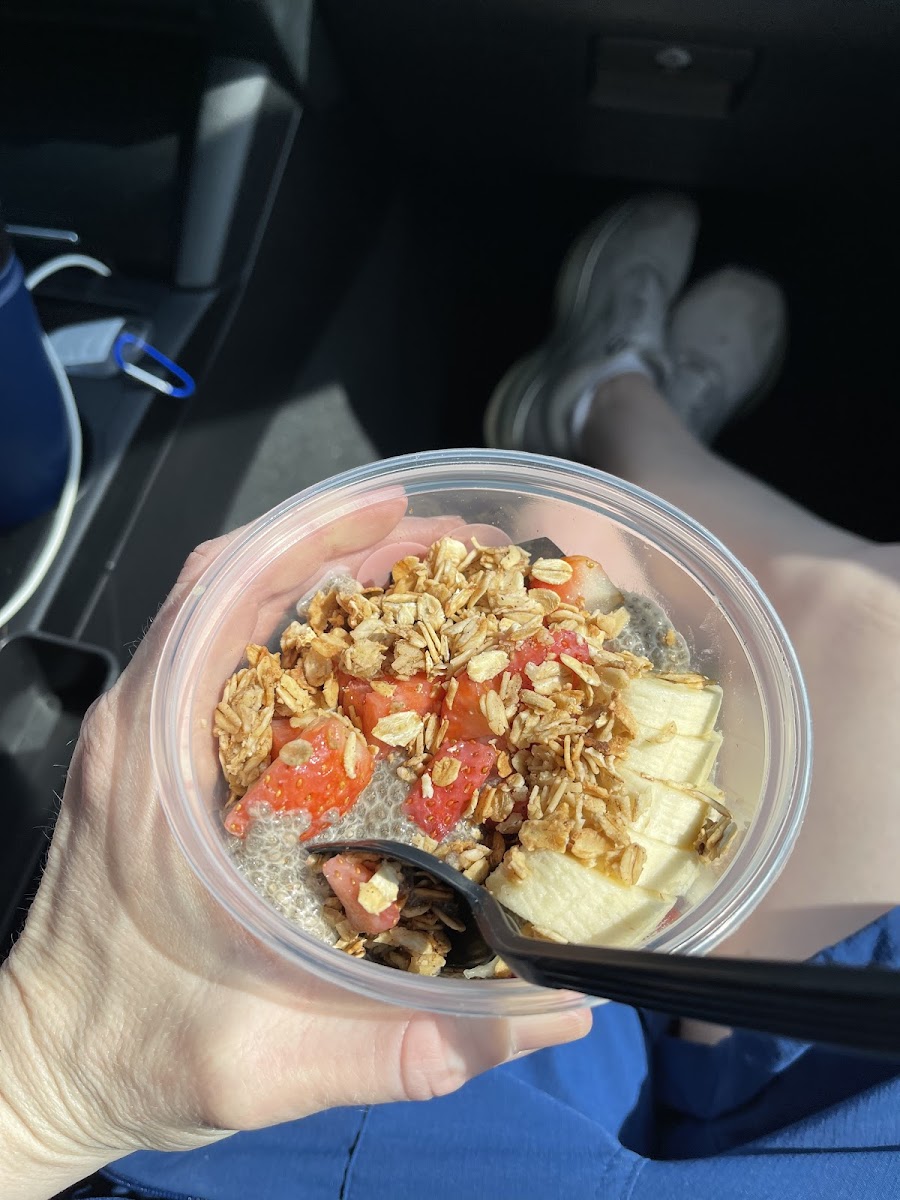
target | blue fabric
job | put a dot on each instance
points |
(33, 430)
(630, 1113)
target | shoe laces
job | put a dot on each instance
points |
(638, 305)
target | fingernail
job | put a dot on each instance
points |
(534, 1033)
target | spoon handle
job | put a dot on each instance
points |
(854, 1008)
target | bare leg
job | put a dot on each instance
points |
(840, 601)
(634, 433)
(838, 595)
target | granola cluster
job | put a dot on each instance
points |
(419, 943)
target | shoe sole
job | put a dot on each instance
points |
(506, 416)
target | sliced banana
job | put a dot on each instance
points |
(678, 759)
(666, 767)
(667, 870)
(577, 902)
(658, 704)
(669, 813)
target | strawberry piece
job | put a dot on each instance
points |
(534, 652)
(416, 694)
(465, 720)
(319, 786)
(439, 812)
(346, 873)
(589, 587)
(282, 733)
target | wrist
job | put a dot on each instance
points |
(45, 1147)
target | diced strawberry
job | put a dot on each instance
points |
(237, 819)
(589, 587)
(438, 813)
(317, 786)
(573, 644)
(671, 916)
(282, 733)
(353, 693)
(465, 720)
(346, 873)
(417, 694)
(533, 652)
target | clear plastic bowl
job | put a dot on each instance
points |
(646, 545)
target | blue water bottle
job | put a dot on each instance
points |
(34, 438)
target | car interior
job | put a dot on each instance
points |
(345, 219)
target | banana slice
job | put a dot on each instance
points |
(669, 813)
(660, 704)
(577, 902)
(668, 870)
(665, 766)
(677, 759)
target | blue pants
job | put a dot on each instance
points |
(630, 1113)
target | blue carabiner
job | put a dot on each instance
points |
(187, 387)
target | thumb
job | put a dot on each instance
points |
(439, 1054)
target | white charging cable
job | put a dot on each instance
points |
(66, 504)
(61, 263)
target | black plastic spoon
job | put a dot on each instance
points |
(857, 1008)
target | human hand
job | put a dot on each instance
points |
(134, 1013)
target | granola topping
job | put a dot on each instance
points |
(543, 681)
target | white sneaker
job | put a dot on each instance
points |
(613, 294)
(727, 341)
